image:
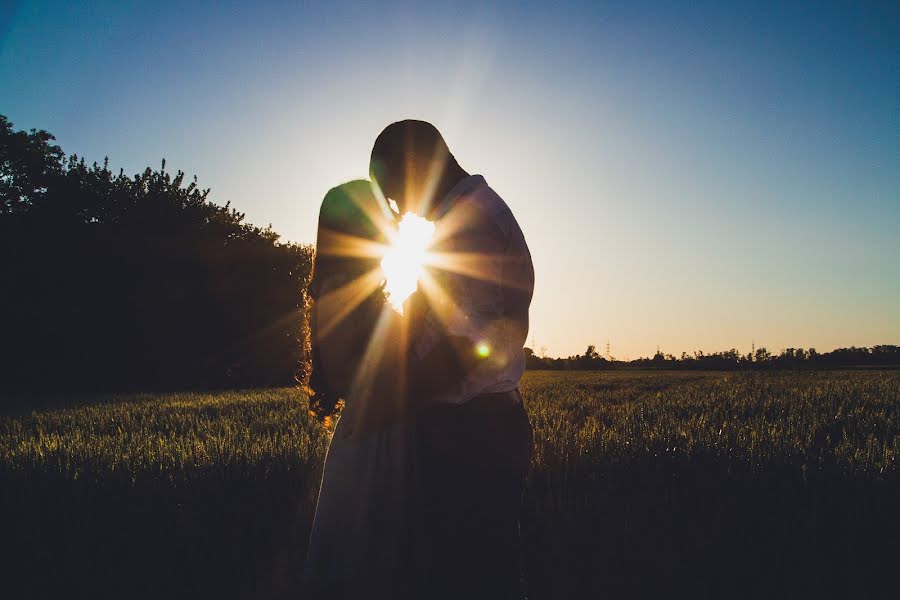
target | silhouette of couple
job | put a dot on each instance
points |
(422, 485)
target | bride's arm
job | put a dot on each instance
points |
(334, 336)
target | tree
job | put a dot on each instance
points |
(29, 164)
(116, 282)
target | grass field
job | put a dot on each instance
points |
(680, 484)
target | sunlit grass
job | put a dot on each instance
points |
(805, 420)
(166, 434)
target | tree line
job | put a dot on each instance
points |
(115, 282)
(882, 356)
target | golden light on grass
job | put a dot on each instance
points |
(405, 258)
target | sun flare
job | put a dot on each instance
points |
(405, 258)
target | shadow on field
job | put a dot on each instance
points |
(215, 536)
(673, 528)
(658, 529)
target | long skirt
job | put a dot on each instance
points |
(365, 540)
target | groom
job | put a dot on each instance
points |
(474, 439)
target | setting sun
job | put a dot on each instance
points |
(403, 261)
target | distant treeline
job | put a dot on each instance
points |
(791, 358)
(116, 282)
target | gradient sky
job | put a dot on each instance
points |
(688, 175)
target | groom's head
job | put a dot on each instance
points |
(411, 164)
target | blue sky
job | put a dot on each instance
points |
(688, 175)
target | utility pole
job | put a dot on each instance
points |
(608, 354)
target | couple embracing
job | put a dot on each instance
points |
(423, 481)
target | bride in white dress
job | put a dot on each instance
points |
(366, 538)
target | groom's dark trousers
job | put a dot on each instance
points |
(473, 460)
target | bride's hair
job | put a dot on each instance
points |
(348, 210)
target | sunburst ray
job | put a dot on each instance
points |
(336, 304)
(474, 265)
(336, 243)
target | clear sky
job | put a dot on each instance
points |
(690, 175)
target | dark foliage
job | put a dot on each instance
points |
(884, 356)
(117, 282)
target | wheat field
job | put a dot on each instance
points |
(687, 483)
